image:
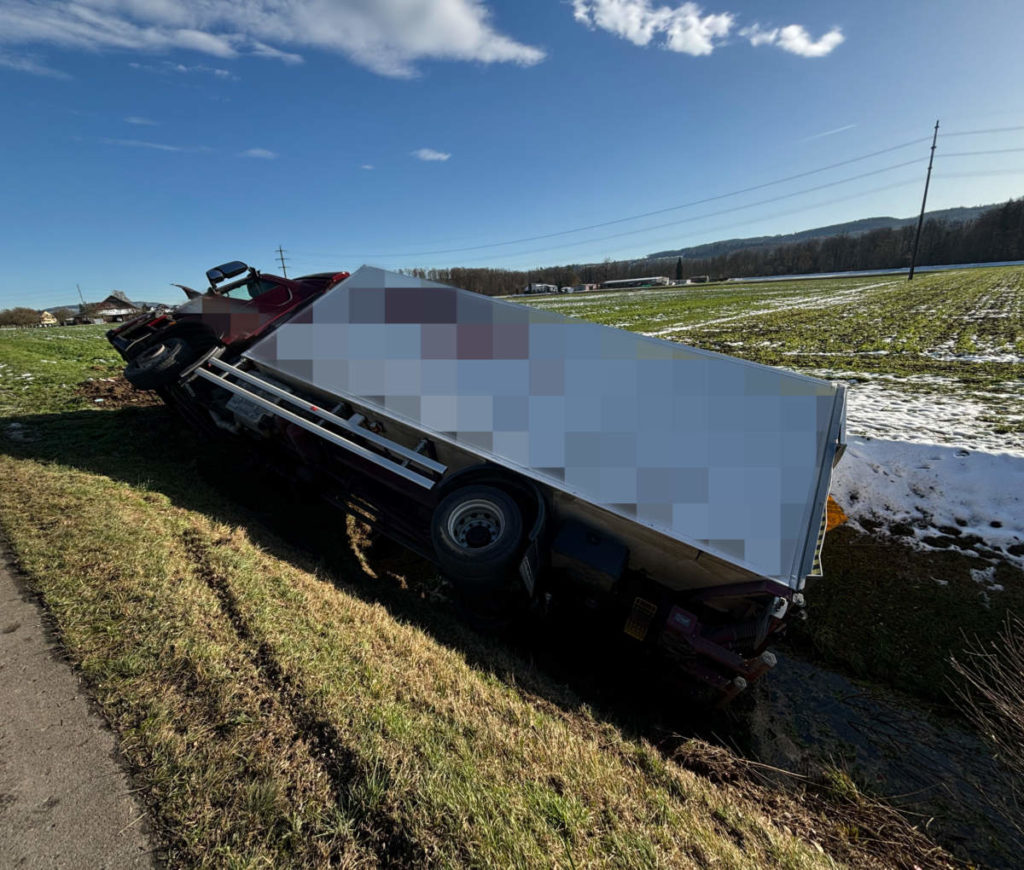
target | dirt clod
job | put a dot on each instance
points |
(116, 393)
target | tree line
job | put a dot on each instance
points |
(997, 234)
(21, 316)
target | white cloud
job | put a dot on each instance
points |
(798, 41)
(757, 36)
(262, 153)
(156, 146)
(30, 65)
(386, 36)
(367, 166)
(685, 27)
(206, 43)
(262, 50)
(794, 39)
(429, 154)
(184, 69)
(141, 122)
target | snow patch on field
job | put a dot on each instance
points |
(994, 356)
(938, 497)
(929, 470)
(877, 410)
(815, 301)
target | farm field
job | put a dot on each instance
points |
(957, 334)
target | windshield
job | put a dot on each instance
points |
(251, 289)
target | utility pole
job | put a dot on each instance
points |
(280, 254)
(924, 199)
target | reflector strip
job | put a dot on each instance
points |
(640, 618)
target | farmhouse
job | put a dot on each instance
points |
(47, 319)
(114, 309)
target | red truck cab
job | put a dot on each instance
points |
(229, 314)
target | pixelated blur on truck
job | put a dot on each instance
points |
(231, 314)
(541, 462)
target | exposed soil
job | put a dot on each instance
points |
(115, 393)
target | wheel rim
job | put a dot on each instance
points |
(476, 524)
(147, 356)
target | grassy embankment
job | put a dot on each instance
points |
(879, 611)
(275, 713)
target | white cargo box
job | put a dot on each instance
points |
(720, 454)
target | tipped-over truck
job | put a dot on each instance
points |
(534, 458)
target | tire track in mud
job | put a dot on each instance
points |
(377, 831)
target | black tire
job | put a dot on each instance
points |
(477, 531)
(160, 364)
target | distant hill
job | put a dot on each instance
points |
(959, 215)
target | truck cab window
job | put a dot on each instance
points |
(252, 289)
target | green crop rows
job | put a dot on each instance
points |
(959, 332)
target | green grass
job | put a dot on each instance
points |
(879, 613)
(40, 368)
(275, 712)
(921, 333)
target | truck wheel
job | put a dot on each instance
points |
(160, 364)
(476, 532)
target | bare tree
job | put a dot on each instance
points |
(19, 317)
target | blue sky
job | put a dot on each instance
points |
(147, 140)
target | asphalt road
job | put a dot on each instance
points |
(65, 800)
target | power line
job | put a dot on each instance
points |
(990, 130)
(715, 198)
(731, 226)
(691, 204)
(976, 153)
(280, 254)
(729, 210)
(725, 228)
(979, 173)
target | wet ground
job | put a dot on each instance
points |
(938, 773)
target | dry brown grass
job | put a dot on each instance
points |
(991, 695)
